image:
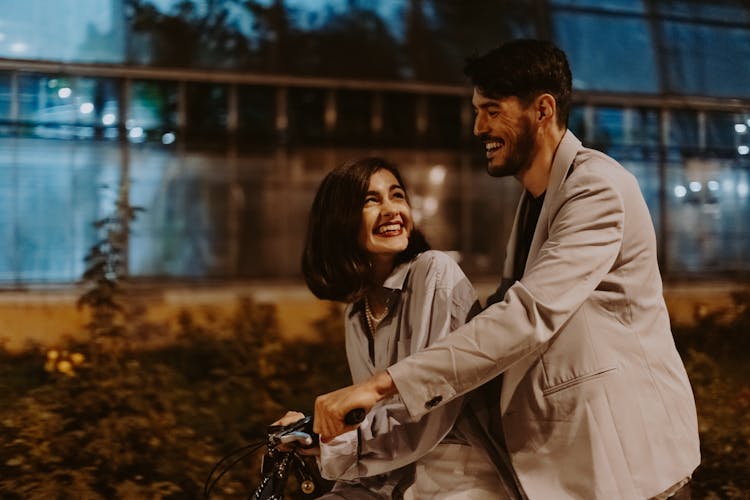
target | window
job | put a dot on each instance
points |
(206, 120)
(152, 116)
(707, 60)
(354, 114)
(607, 52)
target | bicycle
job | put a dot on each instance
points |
(278, 462)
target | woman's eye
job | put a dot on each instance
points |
(399, 194)
(370, 199)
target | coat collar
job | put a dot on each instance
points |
(561, 164)
(395, 281)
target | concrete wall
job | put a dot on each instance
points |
(47, 315)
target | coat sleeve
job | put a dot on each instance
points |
(390, 438)
(585, 229)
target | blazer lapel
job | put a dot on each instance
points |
(561, 164)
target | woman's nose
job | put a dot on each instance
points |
(388, 207)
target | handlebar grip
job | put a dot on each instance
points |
(355, 416)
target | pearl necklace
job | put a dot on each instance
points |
(372, 321)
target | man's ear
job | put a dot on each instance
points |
(546, 108)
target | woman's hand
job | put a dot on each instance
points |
(331, 408)
(289, 418)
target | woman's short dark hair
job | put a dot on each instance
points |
(334, 266)
(525, 69)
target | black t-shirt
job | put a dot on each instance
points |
(530, 211)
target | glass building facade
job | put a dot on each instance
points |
(220, 118)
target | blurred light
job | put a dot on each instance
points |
(748, 122)
(430, 206)
(136, 133)
(437, 174)
(64, 92)
(52, 83)
(168, 138)
(680, 191)
(743, 150)
(695, 186)
(86, 108)
(728, 185)
(18, 47)
(129, 123)
(742, 189)
(740, 128)
(712, 185)
(109, 119)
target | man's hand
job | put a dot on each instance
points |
(331, 408)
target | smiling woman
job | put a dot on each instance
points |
(386, 221)
(362, 249)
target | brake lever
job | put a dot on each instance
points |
(302, 438)
(300, 431)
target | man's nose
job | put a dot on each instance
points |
(480, 125)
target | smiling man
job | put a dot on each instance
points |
(574, 349)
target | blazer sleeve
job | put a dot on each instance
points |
(390, 438)
(585, 229)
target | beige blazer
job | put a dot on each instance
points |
(595, 401)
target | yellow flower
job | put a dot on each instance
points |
(65, 367)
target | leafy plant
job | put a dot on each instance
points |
(714, 352)
(153, 424)
(106, 268)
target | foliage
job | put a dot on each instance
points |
(106, 268)
(153, 424)
(714, 351)
(425, 40)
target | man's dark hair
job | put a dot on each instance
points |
(333, 264)
(524, 69)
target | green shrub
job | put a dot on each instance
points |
(715, 352)
(151, 424)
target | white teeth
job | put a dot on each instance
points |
(389, 227)
(491, 145)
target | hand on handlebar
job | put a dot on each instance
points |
(293, 431)
(335, 411)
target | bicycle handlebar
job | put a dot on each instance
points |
(355, 416)
(277, 462)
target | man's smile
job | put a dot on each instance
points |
(491, 147)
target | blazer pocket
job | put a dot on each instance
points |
(574, 382)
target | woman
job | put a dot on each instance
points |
(362, 249)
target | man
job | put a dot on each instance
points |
(595, 401)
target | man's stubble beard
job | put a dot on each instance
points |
(521, 153)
